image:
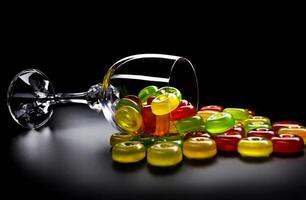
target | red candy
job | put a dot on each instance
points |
(149, 120)
(196, 134)
(228, 141)
(285, 124)
(287, 144)
(184, 110)
(213, 108)
(150, 99)
(135, 99)
(262, 132)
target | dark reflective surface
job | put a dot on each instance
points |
(71, 157)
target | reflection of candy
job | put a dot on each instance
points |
(199, 148)
(172, 90)
(213, 108)
(196, 134)
(149, 119)
(190, 124)
(257, 119)
(120, 137)
(287, 144)
(255, 147)
(219, 123)
(146, 92)
(228, 141)
(295, 131)
(184, 110)
(164, 154)
(206, 113)
(262, 132)
(285, 124)
(238, 113)
(164, 104)
(256, 125)
(127, 102)
(128, 118)
(162, 125)
(128, 152)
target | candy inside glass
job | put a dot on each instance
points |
(31, 96)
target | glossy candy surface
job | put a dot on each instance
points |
(287, 144)
(128, 118)
(164, 104)
(127, 102)
(295, 131)
(120, 137)
(219, 123)
(255, 147)
(205, 114)
(149, 119)
(191, 124)
(213, 108)
(199, 148)
(150, 99)
(255, 125)
(135, 99)
(172, 127)
(239, 114)
(285, 124)
(128, 152)
(164, 154)
(228, 141)
(162, 125)
(172, 90)
(146, 92)
(184, 110)
(175, 138)
(257, 119)
(196, 134)
(261, 132)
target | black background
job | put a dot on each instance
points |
(253, 61)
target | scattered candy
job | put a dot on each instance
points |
(255, 147)
(159, 123)
(219, 123)
(199, 148)
(287, 144)
(164, 154)
(128, 152)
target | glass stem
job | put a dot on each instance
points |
(80, 97)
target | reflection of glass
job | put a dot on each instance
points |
(31, 95)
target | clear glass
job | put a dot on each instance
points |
(31, 97)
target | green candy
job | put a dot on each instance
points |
(175, 138)
(172, 90)
(190, 124)
(145, 139)
(146, 92)
(127, 102)
(254, 125)
(238, 113)
(219, 123)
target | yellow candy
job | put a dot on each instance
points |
(199, 148)
(257, 119)
(128, 118)
(172, 128)
(205, 114)
(295, 131)
(164, 154)
(120, 137)
(255, 147)
(128, 152)
(164, 104)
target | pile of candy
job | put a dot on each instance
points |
(160, 125)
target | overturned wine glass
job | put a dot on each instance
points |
(31, 96)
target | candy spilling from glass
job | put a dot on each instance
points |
(161, 125)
